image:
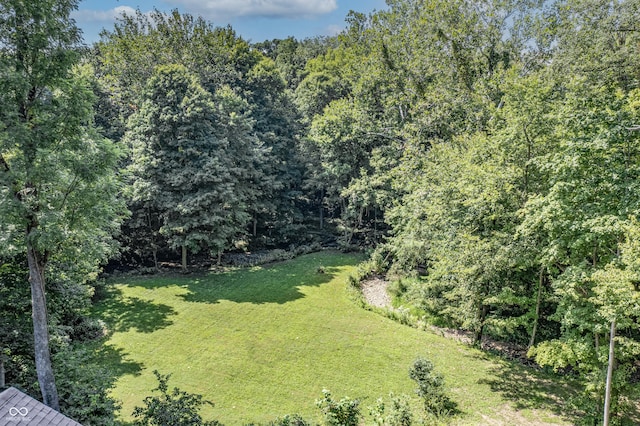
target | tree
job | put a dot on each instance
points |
(193, 160)
(56, 173)
(176, 407)
(277, 207)
(126, 57)
(579, 224)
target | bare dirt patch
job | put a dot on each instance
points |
(507, 416)
(374, 291)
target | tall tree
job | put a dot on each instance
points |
(56, 172)
(277, 206)
(193, 160)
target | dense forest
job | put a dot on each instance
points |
(486, 154)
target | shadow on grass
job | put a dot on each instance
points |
(530, 389)
(131, 313)
(275, 284)
(115, 359)
(278, 283)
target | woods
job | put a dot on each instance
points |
(485, 154)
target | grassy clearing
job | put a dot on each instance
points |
(264, 342)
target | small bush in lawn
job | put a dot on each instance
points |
(176, 408)
(431, 388)
(397, 413)
(290, 420)
(345, 412)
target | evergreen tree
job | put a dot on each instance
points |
(193, 160)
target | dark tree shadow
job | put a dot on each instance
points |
(116, 360)
(279, 282)
(126, 313)
(528, 388)
(275, 284)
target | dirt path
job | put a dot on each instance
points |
(375, 293)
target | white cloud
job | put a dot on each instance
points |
(101, 16)
(333, 30)
(216, 9)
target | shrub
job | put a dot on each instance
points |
(345, 412)
(399, 287)
(290, 420)
(397, 413)
(83, 388)
(175, 408)
(431, 388)
(86, 328)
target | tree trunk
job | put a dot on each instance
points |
(44, 369)
(184, 257)
(154, 251)
(607, 392)
(219, 257)
(255, 224)
(321, 209)
(375, 224)
(477, 338)
(537, 316)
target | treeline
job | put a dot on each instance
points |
(488, 151)
(499, 142)
(215, 161)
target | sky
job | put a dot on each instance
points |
(253, 20)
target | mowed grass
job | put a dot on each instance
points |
(264, 342)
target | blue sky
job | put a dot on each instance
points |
(255, 20)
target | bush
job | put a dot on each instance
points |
(176, 408)
(431, 388)
(397, 413)
(85, 329)
(402, 315)
(399, 287)
(345, 412)
(83, 388)
(290, 420)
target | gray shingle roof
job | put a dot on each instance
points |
(19, 409)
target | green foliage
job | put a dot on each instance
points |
(84, 388)
(285, 323)
(431, 388)
(255, 113)
(59, 205)
(193, 159)
(82, 385)
(175, 407)
(345, 412)
(613, 296)
(290, 420)
(396, 413)
(16, 330)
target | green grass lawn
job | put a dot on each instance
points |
(264, 342)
